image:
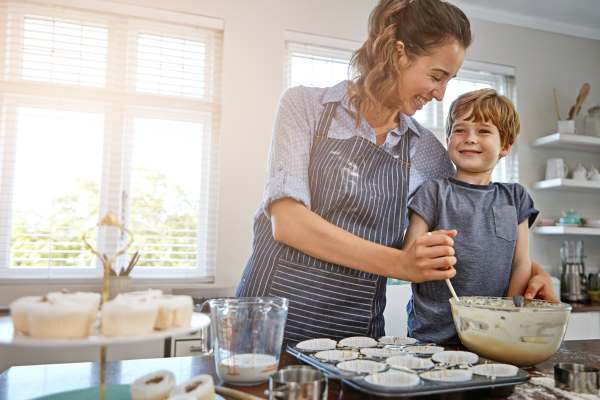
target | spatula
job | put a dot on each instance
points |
(583, 93)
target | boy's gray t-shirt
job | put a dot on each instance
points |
(486, 218)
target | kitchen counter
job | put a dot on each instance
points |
(25, 382)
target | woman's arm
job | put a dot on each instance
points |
(521, 265)
(428, 258)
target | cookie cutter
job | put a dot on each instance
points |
(578, 378)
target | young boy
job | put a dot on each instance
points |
(492, 219)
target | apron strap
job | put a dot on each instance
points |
(325, 122)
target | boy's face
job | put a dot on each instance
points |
(475, 147)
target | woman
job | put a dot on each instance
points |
(344, 162)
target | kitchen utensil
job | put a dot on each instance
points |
(578, 378)
(581, 96)
(297, 382)
(451, 289)
(573, 281)
(495, 328)
(246, 336)
(556, 104)
(132, 263)
(556, 168)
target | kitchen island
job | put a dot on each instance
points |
(26, 382)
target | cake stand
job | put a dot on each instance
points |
(8, 337)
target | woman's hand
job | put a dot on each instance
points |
(430, 257)
(540, 285)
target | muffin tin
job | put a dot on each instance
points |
(398, 381)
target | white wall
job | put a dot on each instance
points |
(253, 81)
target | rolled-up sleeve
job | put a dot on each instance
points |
(290, 150)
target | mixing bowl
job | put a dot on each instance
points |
(495, 328)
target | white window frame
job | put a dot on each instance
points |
(318, 45)
(117, 132)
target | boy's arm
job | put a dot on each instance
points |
(521, 265)
(417, 228)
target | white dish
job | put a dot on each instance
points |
(397, 340)
(319, 344)
(455, 357)
(410, 362)
(495, 370)
(448, 375)
(427, 350)
(8, 337)
(376, 352)
(336, 355)
(358, 342)
(361, 366)
(393, 379)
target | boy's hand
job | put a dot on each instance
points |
(432, 256)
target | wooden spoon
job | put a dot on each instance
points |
(583, 93)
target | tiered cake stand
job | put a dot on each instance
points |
(9, 337)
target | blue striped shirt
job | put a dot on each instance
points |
(299, 111)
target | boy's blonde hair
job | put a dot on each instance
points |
(486, 105)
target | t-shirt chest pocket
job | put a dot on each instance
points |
(505, 221)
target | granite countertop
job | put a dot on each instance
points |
(25, 382)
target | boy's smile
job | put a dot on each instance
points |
(475, 148)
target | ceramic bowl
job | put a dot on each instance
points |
(495, 328)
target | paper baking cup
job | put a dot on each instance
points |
(336, 355)
(428, 350)
(397, 340)
(448, 375)
(455, 357)
(495, 370)
(358, 342)
(361, 366)
(409, 362)
(376, 352)
(317, 344)
(393, 379)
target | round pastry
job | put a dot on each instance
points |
(200, 387)
(150, 293)
(154, 386)
(48, 319)
(91, 299)
(19, 310)
(181, 397)
(174, 311)
(129, 316)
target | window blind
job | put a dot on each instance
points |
(107, 112)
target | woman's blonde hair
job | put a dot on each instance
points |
(486, 105)
(421, 25)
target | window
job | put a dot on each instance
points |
(317, 61)
(473, 76)
(107, 112)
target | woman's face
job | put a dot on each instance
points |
(424, 78)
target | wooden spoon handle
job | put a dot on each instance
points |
(235, 394)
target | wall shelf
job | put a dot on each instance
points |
(570, 185)
(569, 141)
(566, 230)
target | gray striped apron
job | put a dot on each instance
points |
(361, 188)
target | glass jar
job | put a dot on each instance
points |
(592, 121)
